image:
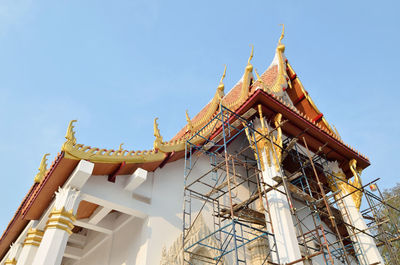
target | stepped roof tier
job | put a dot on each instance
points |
(278, 89)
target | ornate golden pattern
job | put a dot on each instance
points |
(10, 262)
(343, 184)
(357, 193)
(266, 142)
(94, 154)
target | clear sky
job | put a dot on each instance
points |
(116, 65)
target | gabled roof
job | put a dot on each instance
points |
(278, 87)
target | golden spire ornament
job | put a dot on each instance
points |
(281, 46)
(42, 169)
(189, 122)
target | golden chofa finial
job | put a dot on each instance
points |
(249, 66)
(283, 33)
(70, 135)
(42, 169)
(281, 46)
(158, 141)
(223, 76)
(251, 54)
(189, 121)
(247, 78)
(221, 87)
(120, 147)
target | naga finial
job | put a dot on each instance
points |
(42, 169)
(247, 78)
(283, 33)
(281, 47)
(120, 147)
(159, 140)
(70, 135)
(157, 133)
(189, 121)
(251, 54)
(223, 75)
(221, 87)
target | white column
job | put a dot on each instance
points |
(281, 218)
(368, 247)
(284, 241)
(365, 246)
(30, 246)
(13, 254)
(58, 228)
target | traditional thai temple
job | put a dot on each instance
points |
(258, 176)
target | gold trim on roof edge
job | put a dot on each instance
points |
(313, 104)
(80, 151)
(303, 115)
(161, 148)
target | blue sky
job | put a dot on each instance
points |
(115, 67)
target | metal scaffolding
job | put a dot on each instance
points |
(223, 185)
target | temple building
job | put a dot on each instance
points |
(258, 176)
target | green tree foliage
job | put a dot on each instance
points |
(389, 223)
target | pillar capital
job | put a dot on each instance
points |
(62, 216)
(33, 237)
(67, 199)
(14, 251)
(30, 246)
(58, 227)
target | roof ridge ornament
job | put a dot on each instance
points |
(251, 55)
(223, 76)
(281, 46)
(159, 140)
(70, 135)
(189, 121)
(247, 80)
(283, 33)
(42, 169)
(221, 87)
